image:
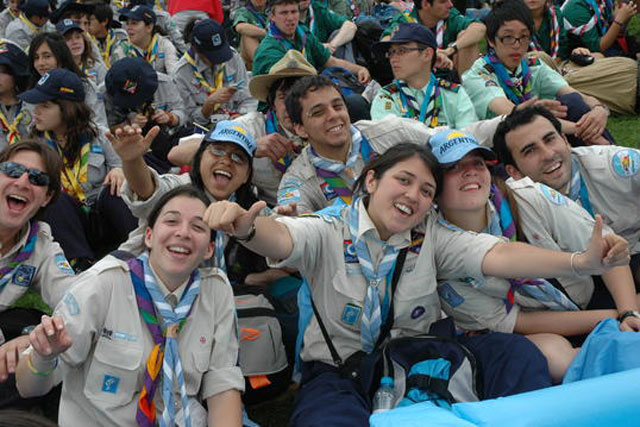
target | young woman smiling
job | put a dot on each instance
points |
(149, 329)
(347, 253)
(545, 310)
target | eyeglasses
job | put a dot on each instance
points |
(236, 158)
(401, 51)
(510, 40)
(16, 170)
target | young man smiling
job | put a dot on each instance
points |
(284, 34)
(603, 179)
(457, 35)
(506, 78)
(337, 151)
(416, 93)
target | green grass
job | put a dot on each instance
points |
(625, 130)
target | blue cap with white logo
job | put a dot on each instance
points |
(56, 84)
(138, 12)
(451, 145)
(209, 39)
(230, 131)
(66, 25)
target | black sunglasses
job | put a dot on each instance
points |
(16, 170)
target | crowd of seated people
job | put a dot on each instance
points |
(162, 162)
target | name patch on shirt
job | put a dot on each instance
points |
(449, 295)
(626, 163)
(554, 196)
(110, 384)
(23, 275)
(351, 313)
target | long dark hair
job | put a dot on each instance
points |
(80, 127)
(60, 50)
(245, 196)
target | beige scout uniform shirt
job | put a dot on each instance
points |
(195, 94)
(339, 288)
(104, 368)
(549, 220)
(166, 60)
(21, 34)
(46, 270)
(611, 176)
(266, 177)
(301, 185)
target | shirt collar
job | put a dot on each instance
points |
(22, 241)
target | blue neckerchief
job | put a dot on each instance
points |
(171, 318)
(284, 41)
(506, 82)
(578, 190)
(373, 315)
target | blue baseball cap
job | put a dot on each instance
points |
(70, 7)
(230, 131)
(66, 25)
(131, 82)
(410, 32)
(14, 58)
(451, 145)
(209, 39)
(56, 84)
(138, 12)
(36, 7)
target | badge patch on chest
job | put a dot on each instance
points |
(328, 192)
(449, 295)
(110, 384)
(350, 256)
(626, 163)
(23, 275)
(351, 313)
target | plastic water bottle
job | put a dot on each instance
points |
(385, 397)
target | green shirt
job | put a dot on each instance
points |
(346, 7)
(578, 12)
(543, 34)
(455, 23)
(483, 86)
(271, 50)
(456, 107)
(324, 22)
(244, 15)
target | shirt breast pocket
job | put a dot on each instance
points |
(97, 167)
(113, 373)
(416, 299)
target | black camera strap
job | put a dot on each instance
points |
(385, 329)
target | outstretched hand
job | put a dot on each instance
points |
(231, 218)
(50, 337)
(603, 253)
(129, 143)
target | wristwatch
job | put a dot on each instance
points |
(628, 313)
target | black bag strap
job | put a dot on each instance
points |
(386, 328)
(431, 384)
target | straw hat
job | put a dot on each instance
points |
(292, 64)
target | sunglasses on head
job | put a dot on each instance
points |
(16, 170)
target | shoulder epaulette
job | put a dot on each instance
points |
(532, 62)
(391, 88)
(449, 85)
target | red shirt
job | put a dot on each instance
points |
(212, 7)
